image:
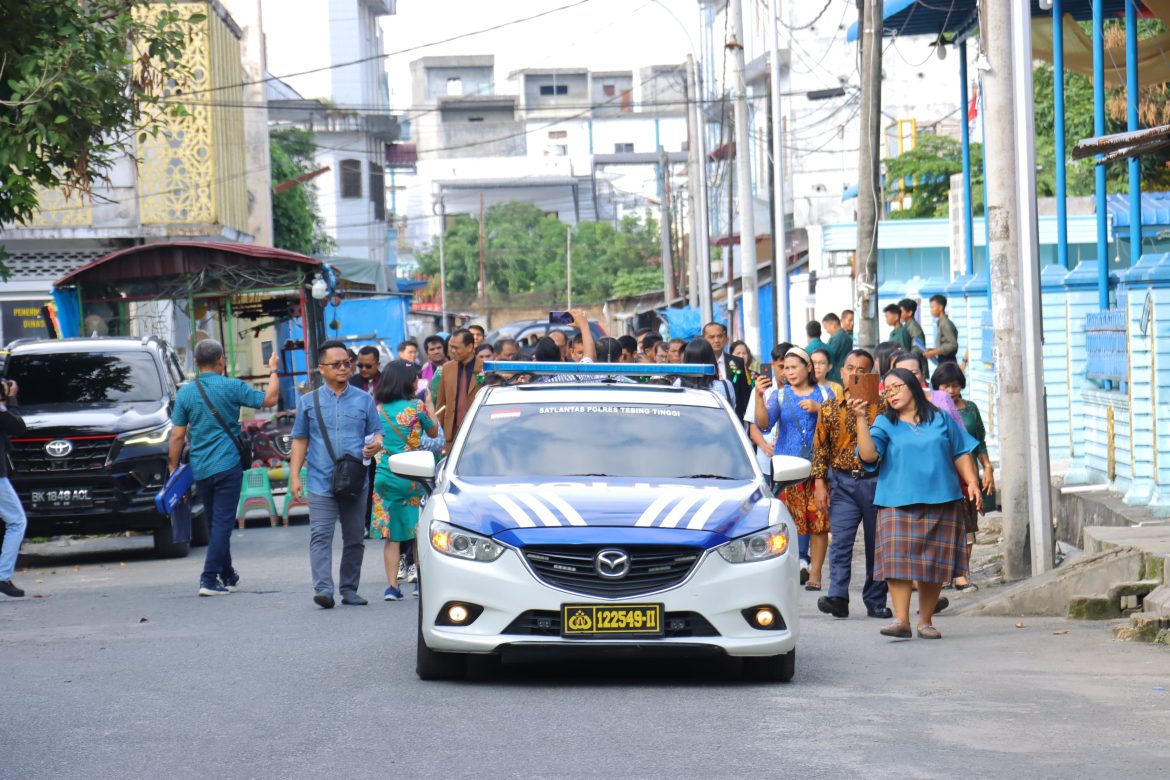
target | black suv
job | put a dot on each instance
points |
(95, 452)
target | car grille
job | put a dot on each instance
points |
(543, 622)
(652, 568)
(89, 454)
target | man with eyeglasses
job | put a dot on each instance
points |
(845, 490)
(352, 425)
(369, 370)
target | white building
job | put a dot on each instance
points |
(346, 106)
(569, 140)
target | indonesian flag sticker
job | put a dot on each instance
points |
(504, 414)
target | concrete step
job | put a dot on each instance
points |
(1051, 592)
(1145, 627)
(1122, 599)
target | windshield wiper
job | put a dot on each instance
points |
(706, 476)
(589, 475)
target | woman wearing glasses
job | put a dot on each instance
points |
(916, 451)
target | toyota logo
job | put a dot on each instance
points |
(611, 564)
(59, 448)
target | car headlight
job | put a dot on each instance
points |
(458, 543)
(153, 436)
(760, 546)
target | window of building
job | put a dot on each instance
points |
(455, 86)
(475, 119)
(623, 148)
(609, 90)
(378, 191)
(553, 134)
(351, 178)
(557, 150)
(554, 89)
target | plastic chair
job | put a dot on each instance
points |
(256, 493)
(290, 502)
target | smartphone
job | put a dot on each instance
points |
(560, 318)
(865, 387)
(766, 370)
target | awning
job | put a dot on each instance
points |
(930, 17)
(174, 258)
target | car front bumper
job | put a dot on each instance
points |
(716, 590)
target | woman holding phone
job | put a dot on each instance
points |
(916, 451)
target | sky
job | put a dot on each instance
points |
(599, 35)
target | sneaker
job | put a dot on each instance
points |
(212, 589)
(8, 589)
(416, 590)
(402, 569)
(231, 580)
(412, 573)
(392, 594)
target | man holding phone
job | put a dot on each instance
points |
(846, 490)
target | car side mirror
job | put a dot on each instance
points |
(789, 470)
(417, 466)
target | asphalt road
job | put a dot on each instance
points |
(114, 668)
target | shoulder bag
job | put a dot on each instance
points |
(806, 447)
(245, 450)
(349, 473)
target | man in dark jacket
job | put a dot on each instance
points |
(11, 512)
(730, 367)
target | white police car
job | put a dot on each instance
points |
(604, 518)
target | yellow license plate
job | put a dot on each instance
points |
(604, 620)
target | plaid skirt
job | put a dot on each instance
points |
(924, 542)
(801, 505)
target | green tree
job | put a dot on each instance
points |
(78, 79)
(297, 224)
(525, 252)
(925, 173)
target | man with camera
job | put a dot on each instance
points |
(336, 428)
(209, 410)
(11, 512)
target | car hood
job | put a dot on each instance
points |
(94, 420)
(713, 507)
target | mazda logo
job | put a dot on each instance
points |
(611, 564)
(59, 448)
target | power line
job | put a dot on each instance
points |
(386, 55)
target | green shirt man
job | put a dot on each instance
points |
(840, 344)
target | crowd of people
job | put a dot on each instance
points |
(908, 467)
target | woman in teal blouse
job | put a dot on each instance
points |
(916, 451)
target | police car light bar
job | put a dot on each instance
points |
(592, 369)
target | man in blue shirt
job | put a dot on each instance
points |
(352, 424)
(215, 456)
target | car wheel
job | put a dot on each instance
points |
(433, 665)
(772, 668)
(164, 544)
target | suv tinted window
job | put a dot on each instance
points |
(85, 378)
(620, 440)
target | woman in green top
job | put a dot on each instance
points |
(949, 378)
(396, 500)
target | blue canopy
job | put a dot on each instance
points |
(1155, 209)
(935, 17)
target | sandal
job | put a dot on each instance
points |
(966, 586)
(897, 630)
(927, 632)
(811, 586)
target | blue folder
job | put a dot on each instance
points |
(176, 488)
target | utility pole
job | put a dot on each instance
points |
(482, 274)
(664, 228)
(1015, 289)
(442, 264)
(779, 228)
(569, 268)
(868, 172)
(743, 164)
(692, 190)
(699, 192)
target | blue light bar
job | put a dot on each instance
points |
(598, 369)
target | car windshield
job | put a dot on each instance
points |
(85, 378)
(603, 439)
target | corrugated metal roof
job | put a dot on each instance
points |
(173, 258)
(1155, 209)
